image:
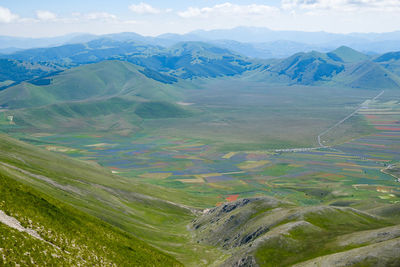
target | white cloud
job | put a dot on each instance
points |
(6, 16)
(101, 16)
(45, 15)
(228, 9)
(343, 5)
(143, 8)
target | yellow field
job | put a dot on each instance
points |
(352, 170)
(100, 145)
(60, 149)
(229, 155)
(192, 181)
(160, 175)
(252, 164)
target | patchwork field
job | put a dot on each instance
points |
(192, 158)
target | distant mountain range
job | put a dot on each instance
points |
(343, 66)
(248, 41)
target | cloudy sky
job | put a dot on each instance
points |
(38, 18)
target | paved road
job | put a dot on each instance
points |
(343, 120)
(327, 130)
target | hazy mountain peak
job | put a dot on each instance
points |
(347, 54)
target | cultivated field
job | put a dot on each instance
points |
(231, 146)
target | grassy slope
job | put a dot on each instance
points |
(107, 96)
(368, 75)
(124, 203)
(90, 82)
(80, 238)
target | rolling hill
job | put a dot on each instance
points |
(347, 54)
(390, 61)
(269, 232)
(184, 60)
(88, 82)
(341, 67)
(101, 96)
(81, 53)
(370, 75)
(15, 71)
(308, 68)
(195, 59)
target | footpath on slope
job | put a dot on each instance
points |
(14, 223)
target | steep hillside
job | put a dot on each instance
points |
(269, 232)
(308, 68)
(59, 234)
(390, 61)
(368, 75)
(56, 232)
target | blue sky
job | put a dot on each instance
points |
(41, 18)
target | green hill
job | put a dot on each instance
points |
(184, 60)
(347, 54)
(195, 59)
(390, 61)
(89, 82)
(341, 67)
(307, 68)
(83, 53)
(108, 96)
(369, 75)
(269, 232)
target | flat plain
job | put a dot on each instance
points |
(234, 144)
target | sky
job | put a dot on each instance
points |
(45, 18)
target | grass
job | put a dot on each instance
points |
(81, 238)
(303, 243)
(157, 110)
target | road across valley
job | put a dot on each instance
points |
(343, 120)
(321, 145)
